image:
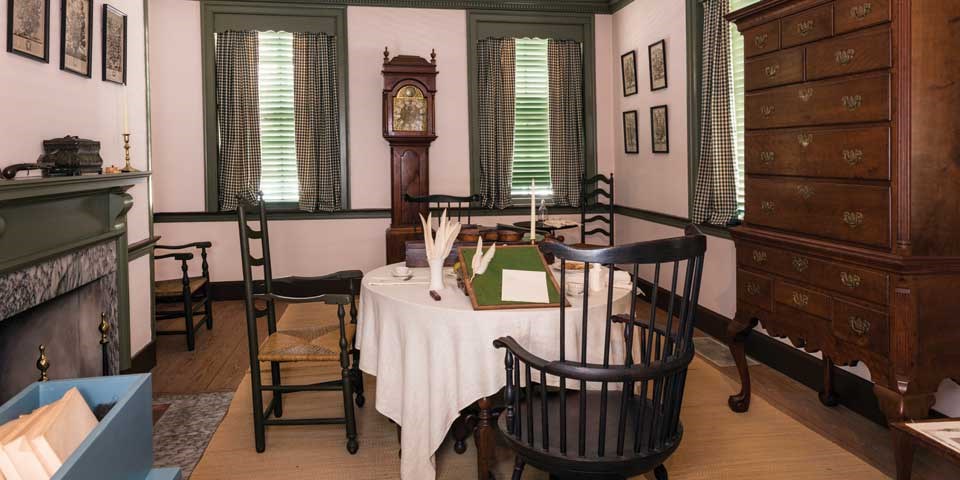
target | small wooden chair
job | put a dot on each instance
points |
(595, 188)
(439, 202)
(331, 342)
(190, 293)
(632, 424)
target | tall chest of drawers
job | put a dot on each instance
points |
(851, 239)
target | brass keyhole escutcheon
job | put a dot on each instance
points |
(800, 264)
(801, 299)
(772, 70)
(753, 289)
(859, 326)
(853, 156)
(853, 219)
(805, 139)
(860, 12)
(844, 57)
(850, 280)
(759, 256)
(761, 40)
(852, 102)
(805, 27)
(767, 157)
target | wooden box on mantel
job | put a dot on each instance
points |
(121, 446)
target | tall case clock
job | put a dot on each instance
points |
(409, 88)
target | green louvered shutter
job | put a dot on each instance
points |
(278, 171)
(531, 141)
(736, 58)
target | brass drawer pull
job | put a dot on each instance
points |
(853, 156)
(859, 326)
(767, 206)
(805, 139)
(800, 264)
(850, 280)
(852, 102)
(801, 299)
(860, 12)
(759, 256)
(767, 157)
(761, 40)
(853, 219)
(753, 289)
(767, 110)
(772, 70)
(845, 56)
(805, 191)
(806, 94)
(805, 27)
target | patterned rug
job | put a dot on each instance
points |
(185, 426)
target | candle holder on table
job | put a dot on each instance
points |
(126, 148)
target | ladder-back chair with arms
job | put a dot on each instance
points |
(608, 420)
(188, 296)
(325, 342)
(597, 193)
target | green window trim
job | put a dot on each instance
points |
(222, 15)
(572, 26)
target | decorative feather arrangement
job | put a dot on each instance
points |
(438, 247)
(481, 259)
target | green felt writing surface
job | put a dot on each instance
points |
(487, 287)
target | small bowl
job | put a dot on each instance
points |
(490, 234)
(402, 271)
(509, 236)
(574, 288)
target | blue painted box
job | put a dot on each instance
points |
(121, 447)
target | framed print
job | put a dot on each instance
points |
(76, 36)
(628, 70)
(114, 45)
(631, 143)
(659, 131)
(658, 65)
(28, 28)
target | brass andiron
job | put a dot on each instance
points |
(43, 364)
(104, 329)
(126, 155)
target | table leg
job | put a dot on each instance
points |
(485, 440)
(903, 448)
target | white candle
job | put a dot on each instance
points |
(124, 112)
(533, 210)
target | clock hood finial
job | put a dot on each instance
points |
(433, 56)
(386, 54)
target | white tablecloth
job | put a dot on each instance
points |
(433, 359)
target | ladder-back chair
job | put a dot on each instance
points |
(448, 202)
(186, 297)
(332, 342)
(631, 424)
(597, 193)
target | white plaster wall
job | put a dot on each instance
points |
(140, 320)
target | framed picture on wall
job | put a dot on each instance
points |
(631, 143)
(114, 45)
(628, 71)
(659, 130)
(658, 65)
(76, 36)
(28, 28)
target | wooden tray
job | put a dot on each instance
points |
(484, 291)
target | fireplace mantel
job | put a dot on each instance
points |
(46, 218)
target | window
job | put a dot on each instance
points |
(531, 137)
(736, 59)
(531, 155)
(278, 146)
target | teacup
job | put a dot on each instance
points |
(401, 271)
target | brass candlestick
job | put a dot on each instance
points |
(126, 148)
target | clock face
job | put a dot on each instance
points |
(409, 110)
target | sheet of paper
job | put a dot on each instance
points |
(524, 286)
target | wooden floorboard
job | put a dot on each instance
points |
(222, 353)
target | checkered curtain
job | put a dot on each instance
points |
(238, 117)
(715, 201)
(317, 121)
(495, 98)
(565, 65)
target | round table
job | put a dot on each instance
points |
(433, 359)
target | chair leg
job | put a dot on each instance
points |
(257, 395)
(275, 380)
(357, 376)
(660, 473)
(348, 413)
(208, 306)
(188, 321)
(518, 465)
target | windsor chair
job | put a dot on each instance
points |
(631, 424)
(322, 343)
(440, 202)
